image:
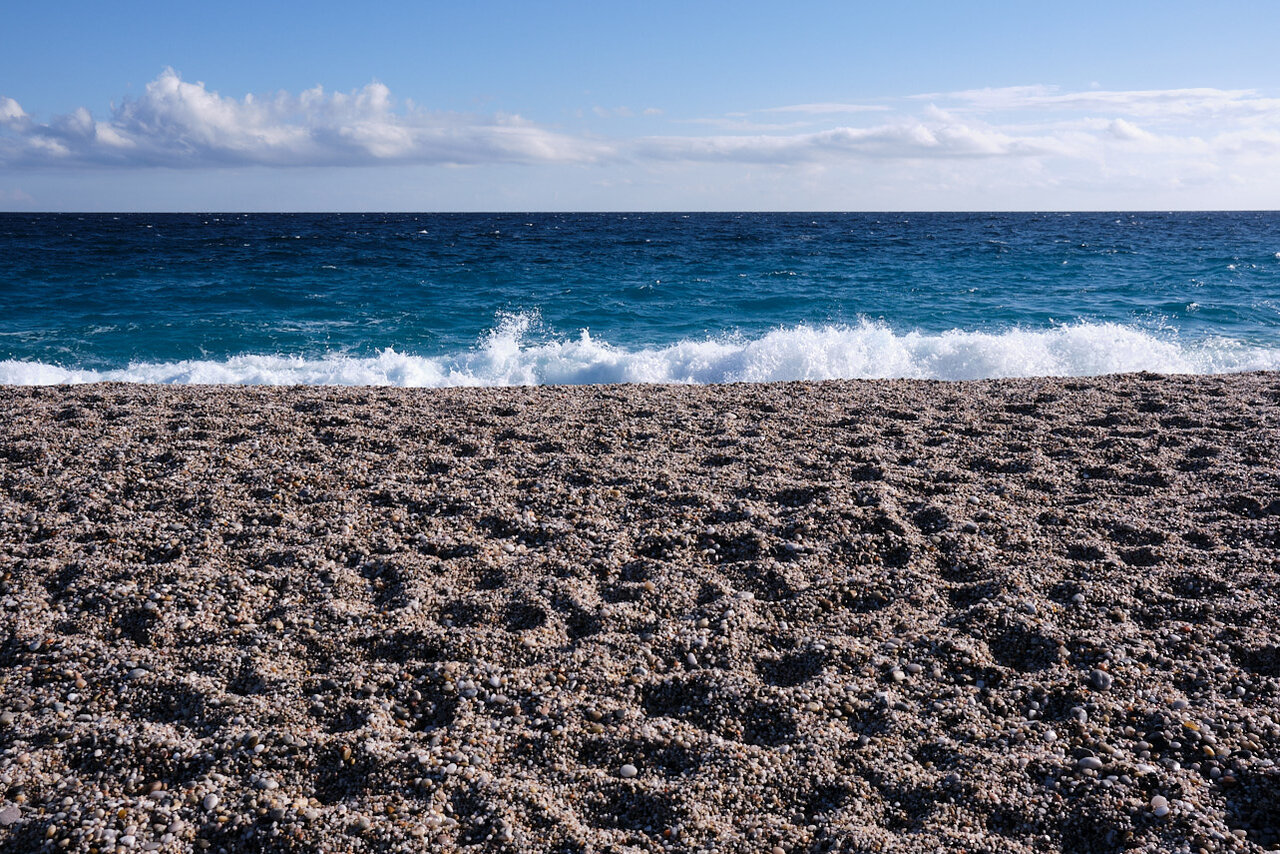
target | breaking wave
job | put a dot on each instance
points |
(509, 355)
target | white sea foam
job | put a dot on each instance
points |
(507, 356)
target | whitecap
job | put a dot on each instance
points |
(508, 356)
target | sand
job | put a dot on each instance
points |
(1013, 616)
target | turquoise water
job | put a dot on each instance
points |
(498, 299)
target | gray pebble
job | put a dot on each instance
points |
(210, 802)
(1100, 680)
(627, 770)
(9, 815)
(1089, 763)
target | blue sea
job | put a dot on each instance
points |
(551, 298)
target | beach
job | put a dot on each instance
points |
(1001, 615)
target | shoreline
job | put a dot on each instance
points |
(905, 615)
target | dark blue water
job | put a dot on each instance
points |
(440, 299)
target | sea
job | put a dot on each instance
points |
(504, 299)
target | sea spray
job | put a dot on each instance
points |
(867, 350)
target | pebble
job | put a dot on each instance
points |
(796, 709)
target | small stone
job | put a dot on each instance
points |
(627, 771)
(363, 823)
(971, 527)
(210, 802)
(136, 673)
(1089, 763)
(1100, 680)
(6, 718)
(9, 815)
(1159, 806)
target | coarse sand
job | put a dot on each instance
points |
(1006, 616)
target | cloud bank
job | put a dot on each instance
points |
(182, 125)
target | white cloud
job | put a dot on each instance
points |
(180, 124)
(904, 140)
(11, 112)
(1017, 141)
(1159, 104)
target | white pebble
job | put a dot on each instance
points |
(627, 771)
(1159, 806)
(210, 802)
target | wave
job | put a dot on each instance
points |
(507, 356)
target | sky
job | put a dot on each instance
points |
(499, 106)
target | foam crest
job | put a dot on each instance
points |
(506, 357)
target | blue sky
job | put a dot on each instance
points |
(630, 106)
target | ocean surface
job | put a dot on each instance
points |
(508, 299)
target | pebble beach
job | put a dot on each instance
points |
(995, 616)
